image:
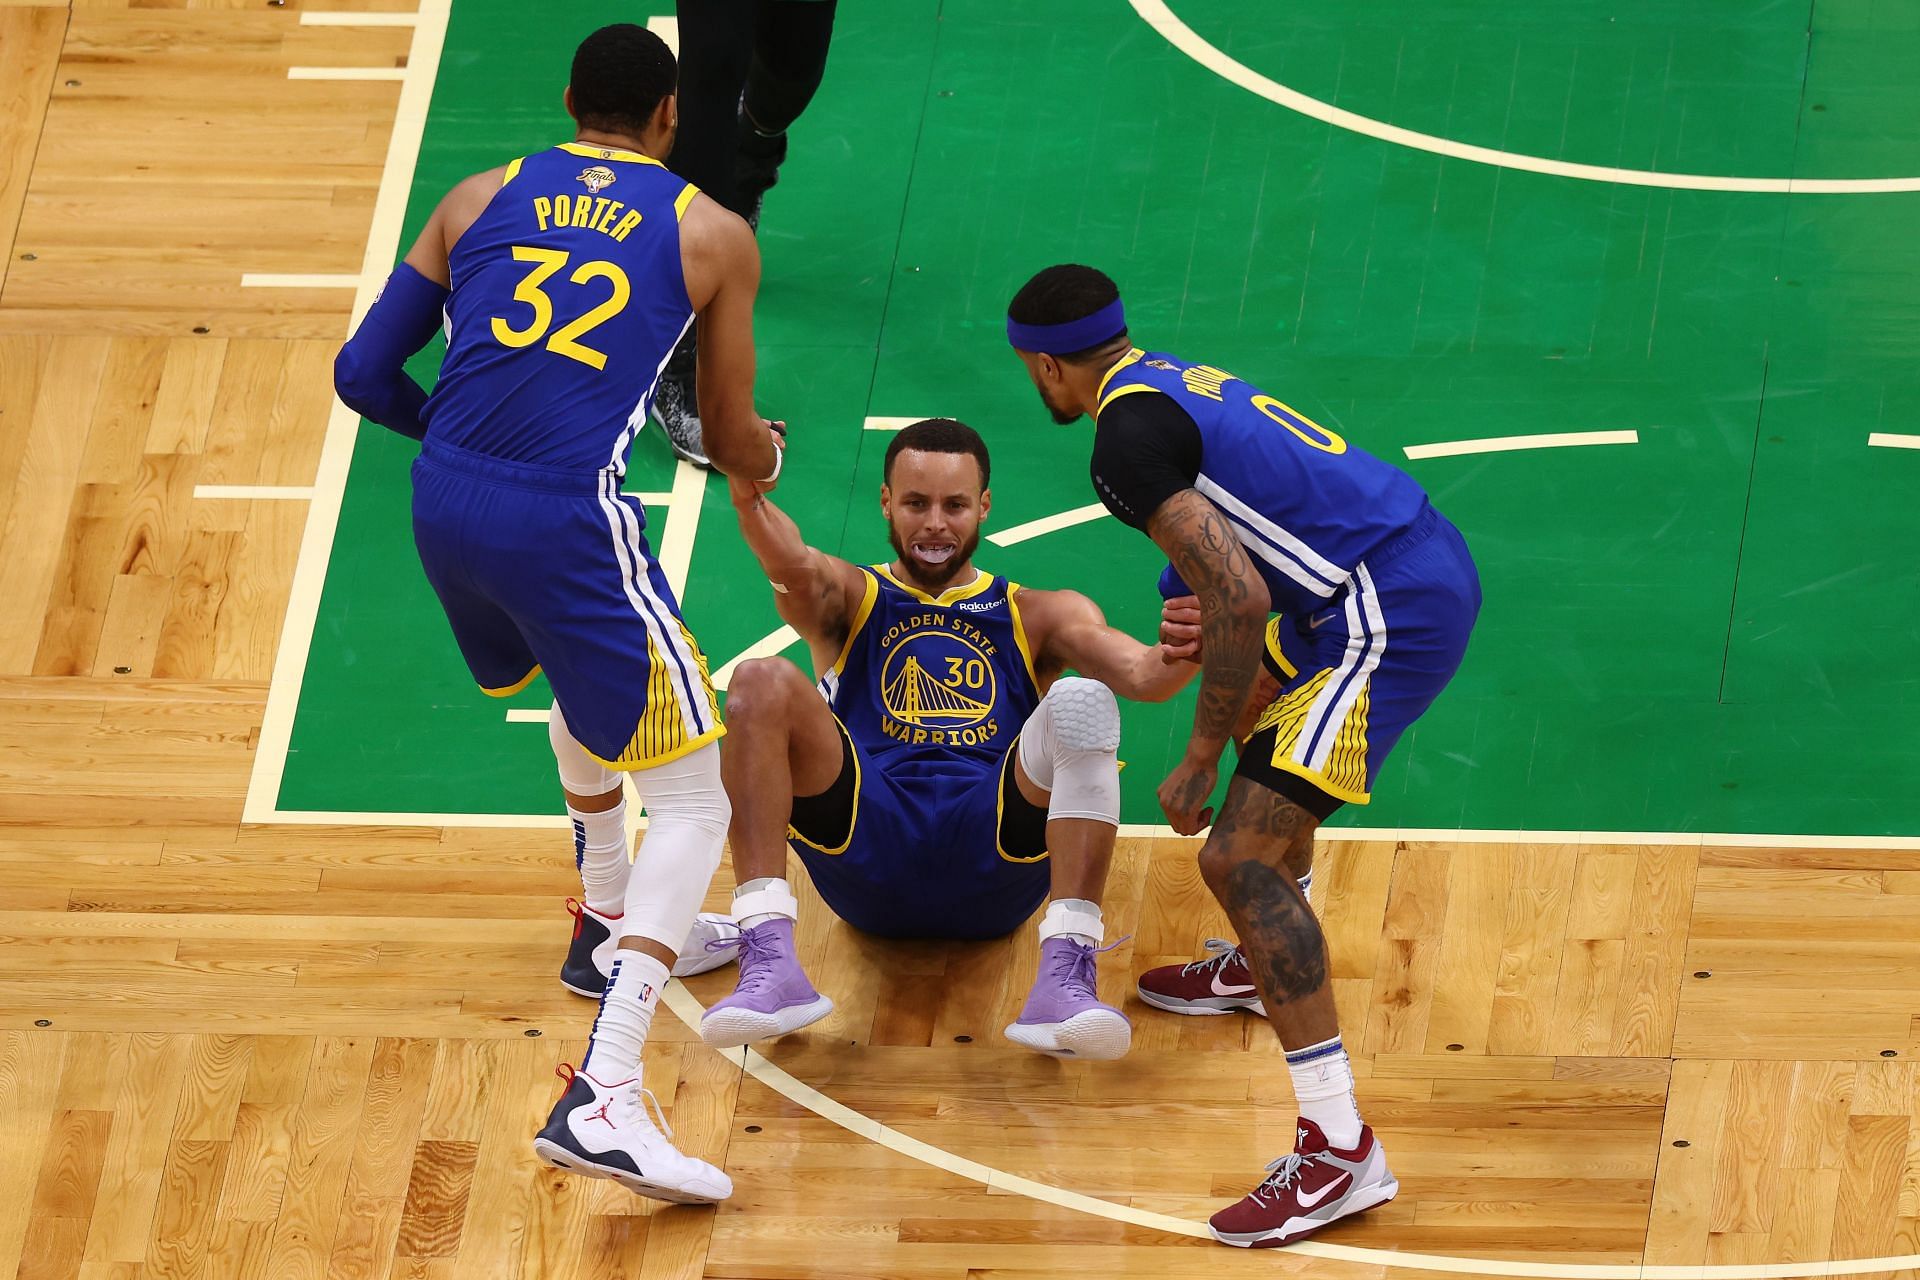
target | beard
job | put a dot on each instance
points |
(1061, 417)
(932, 577)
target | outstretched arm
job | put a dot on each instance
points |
(814, 593)
(1074, 634)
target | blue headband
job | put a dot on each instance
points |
(1075, 335)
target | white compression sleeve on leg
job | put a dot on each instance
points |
(580, 773)
(687, 815)
(1068, 747)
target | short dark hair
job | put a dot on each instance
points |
(621, 75)
(1062, 294)
(938, 435)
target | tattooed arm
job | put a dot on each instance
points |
(1233, 616)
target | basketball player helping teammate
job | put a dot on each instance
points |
(1262, 511)
(566, 277)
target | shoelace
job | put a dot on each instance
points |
(757, 956)
(640, 1095)
(1220, 954)
(1282, 1172)
(1074, 966)
(634, 1092)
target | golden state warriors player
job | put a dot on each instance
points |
(566, 277)
(945, 775)
(1262, 510)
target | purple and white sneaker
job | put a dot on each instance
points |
(1063, 1015)
(773, 996)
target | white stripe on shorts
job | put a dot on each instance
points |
(1321, 728)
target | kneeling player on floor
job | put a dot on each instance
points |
(945, 774)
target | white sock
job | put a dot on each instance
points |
(1072, 918)
(775, 884)
(1306, 887)
(600, 851)
(626, 1013)
(1323, 1086)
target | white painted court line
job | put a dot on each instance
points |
(1506, 444)
(654, 499)
(889, 424)
(683, 522)
(1182, 37)
(255, 492)
(689, 1010)
(346, 73)
(1047, 524)
(299, 280)
(668, 29)
(529, 715)
(343, 424)
(1887, 440)
(332, 18)
(765, 647)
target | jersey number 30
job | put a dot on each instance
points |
(563, 341)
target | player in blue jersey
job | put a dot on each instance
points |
(1264, 511)
(565, 278)
(945, 775)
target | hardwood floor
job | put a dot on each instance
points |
(249, 1051)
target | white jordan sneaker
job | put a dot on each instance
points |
(605, 1131)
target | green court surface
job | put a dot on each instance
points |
(1712, 629)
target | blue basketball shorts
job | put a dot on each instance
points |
(920, 851)
(1356, 673)
(543, 570)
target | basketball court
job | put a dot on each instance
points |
(1626, 947)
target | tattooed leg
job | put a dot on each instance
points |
(1246, 862)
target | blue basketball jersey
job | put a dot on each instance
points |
(934, 686)
(567, 297)
(1307, 505)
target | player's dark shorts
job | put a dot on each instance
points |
(1356, 673)
(954, 855)
(540, 569)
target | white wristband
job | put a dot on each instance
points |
(779, 456)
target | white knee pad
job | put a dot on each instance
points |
(687, 816)
(580, 773)
(1068, 747)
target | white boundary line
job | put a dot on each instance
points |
(343, 425)
(347, 73)
(1506, 444)
(1888, 440)
(1182, 37)
(675, 552)
(330, 18)
(1047, 524)
(688, 1010)
(888, 424)
(299, 280)
(765, 647)
(255, 492)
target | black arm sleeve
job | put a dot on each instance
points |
(1146, 448)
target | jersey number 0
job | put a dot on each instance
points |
(563, 341)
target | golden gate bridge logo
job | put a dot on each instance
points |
(952, 688)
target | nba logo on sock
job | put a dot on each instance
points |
(646, 992)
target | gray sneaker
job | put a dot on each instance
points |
(676, 406)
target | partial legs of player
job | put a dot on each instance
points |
(597, 807)
(1337, 1166)
(784, 742)
(601, 1126)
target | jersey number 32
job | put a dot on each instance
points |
(564, 340)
